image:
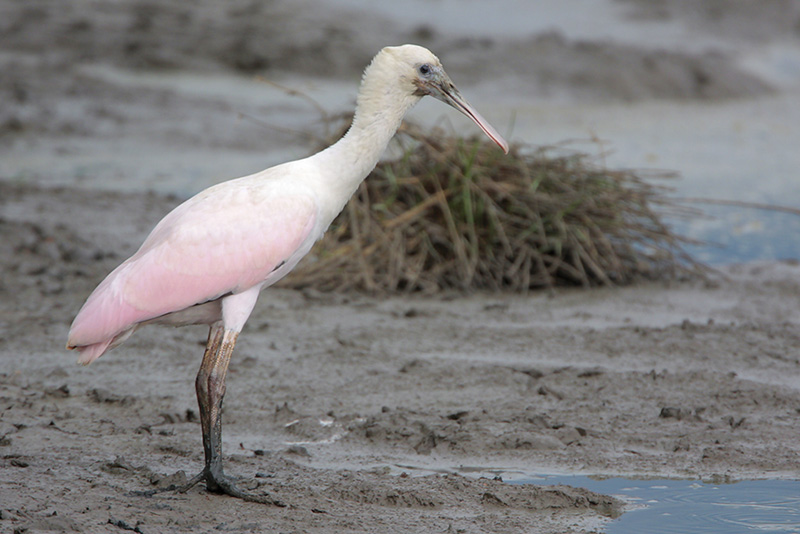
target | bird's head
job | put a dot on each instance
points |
(421, 74)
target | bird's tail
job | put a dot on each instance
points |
(90, 353)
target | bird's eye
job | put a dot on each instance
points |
(424, 69)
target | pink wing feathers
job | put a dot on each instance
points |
(219, 242)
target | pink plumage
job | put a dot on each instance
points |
(227, 240)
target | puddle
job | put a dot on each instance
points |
(731, 234)
(681, 506)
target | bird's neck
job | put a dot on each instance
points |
(380, 110)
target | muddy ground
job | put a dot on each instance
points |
(356, 414)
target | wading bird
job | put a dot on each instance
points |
(207, 261)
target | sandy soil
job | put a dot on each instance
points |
(356, 414)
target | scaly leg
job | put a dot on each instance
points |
(210, 388)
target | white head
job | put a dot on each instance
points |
(413, 72)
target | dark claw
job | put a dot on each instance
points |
(221, 483)
(228, 486)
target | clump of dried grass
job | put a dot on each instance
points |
(459, 214)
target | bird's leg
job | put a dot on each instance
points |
(210, 388)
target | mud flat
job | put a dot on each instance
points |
(358, 414)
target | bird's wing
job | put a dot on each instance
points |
(212, 250)
(219, 242)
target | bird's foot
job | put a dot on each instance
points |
(221, 483)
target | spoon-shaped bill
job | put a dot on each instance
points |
(449, 94)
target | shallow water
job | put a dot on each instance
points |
(681, 506)
(737, 151)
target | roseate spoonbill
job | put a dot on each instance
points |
(208, 259)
